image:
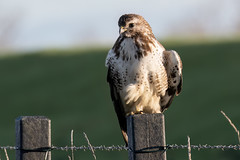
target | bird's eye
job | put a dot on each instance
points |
(131, 25)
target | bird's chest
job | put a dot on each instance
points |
(138, 90)
(138, 71)
(134, 66)
(128, 52)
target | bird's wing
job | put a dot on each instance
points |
(112, 79)
(173, 65)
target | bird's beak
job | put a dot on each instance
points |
(122, 29)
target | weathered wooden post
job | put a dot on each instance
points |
(33, 138)
(146, 137)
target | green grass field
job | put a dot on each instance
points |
(70, 88)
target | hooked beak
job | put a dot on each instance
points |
(122, 29)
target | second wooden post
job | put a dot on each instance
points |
(146, 137)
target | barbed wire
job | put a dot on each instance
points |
(101, 147)
(8, 147)
(124, 148)
(205, 146)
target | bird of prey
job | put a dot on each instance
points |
(142, 75)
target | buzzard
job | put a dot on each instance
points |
(142, 75)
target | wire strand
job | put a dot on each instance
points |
(124, 148)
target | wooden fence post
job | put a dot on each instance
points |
(146, 137)
(33, 138)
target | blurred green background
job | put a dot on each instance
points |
(70, 88)
(52, 63)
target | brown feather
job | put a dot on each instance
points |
(118, 106)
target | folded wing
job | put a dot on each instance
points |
(173, 66)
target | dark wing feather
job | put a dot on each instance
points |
(168, 103)
(119, 109)
(179, 87)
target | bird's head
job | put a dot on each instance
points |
(132, 24)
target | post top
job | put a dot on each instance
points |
(32, 117)
(147, 115)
